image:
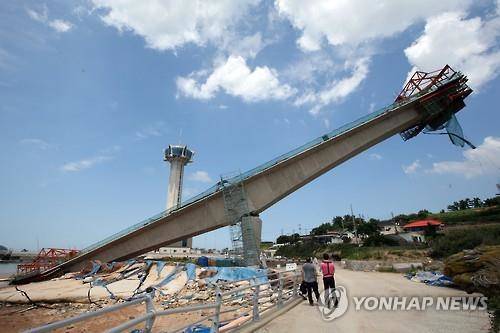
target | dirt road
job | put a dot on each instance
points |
(305, 318)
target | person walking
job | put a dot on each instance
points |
(309, 277)
(328, 270)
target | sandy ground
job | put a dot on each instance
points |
(308, 318)
(18, 318)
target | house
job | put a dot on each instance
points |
(415, 231)
(423, 225)
(331, 237)
(389, 227)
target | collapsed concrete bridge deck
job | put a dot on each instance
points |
(274, 180)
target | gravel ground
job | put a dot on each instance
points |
(307, 318)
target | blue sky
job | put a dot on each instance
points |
(92, 92)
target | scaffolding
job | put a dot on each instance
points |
(243, 240)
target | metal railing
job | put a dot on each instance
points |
(278, 289)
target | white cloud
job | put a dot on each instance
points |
(60, 25)
(468, 45)
(483, 160)
(200, 176)
(170, 24)
(247, 47)
(153, 130)
(42, 16)
(352, 30)
(311, 67)
(236, 79)
(412, 168)
(336, 90)
(356, 21)
(36, 142)
(375, 156)
(84, 164)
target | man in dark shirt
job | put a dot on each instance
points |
(309, 277)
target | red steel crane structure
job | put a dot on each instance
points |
(46, 259)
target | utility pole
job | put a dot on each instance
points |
(355, 226)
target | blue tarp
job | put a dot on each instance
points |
(159, 266)
(238, 273)
(169, 277)
(191, 271)
(198, 329)
(202, 261)
(431, 278)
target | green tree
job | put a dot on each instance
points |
(477, 203)
(368, 228)
(422, 214)
(491, 202)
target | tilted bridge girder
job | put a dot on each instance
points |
(273, 181)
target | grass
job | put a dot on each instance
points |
(352, 251)
(456, 240)
(489, 214)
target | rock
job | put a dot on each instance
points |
(207, 273)
(188, 295)
(183, 302)
(242, 284)
(88, 279)
(237, 301)
(203, 296)
(202, 284)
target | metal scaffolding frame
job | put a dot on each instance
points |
(242, 233)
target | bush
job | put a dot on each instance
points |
(457, 240)
(300, 250)
(380, 240)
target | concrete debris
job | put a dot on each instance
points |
(171, 286)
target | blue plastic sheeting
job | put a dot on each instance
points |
(159, 266)
(226, 263)
(169, 277)
(202, 261)
(198, 329)
(431, 278)
(238, 273)
(191, 271)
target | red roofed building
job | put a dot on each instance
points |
(421, 225)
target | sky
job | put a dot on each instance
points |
(92, 92)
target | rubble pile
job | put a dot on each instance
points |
(170, 285)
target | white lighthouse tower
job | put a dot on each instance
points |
(178, 156)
